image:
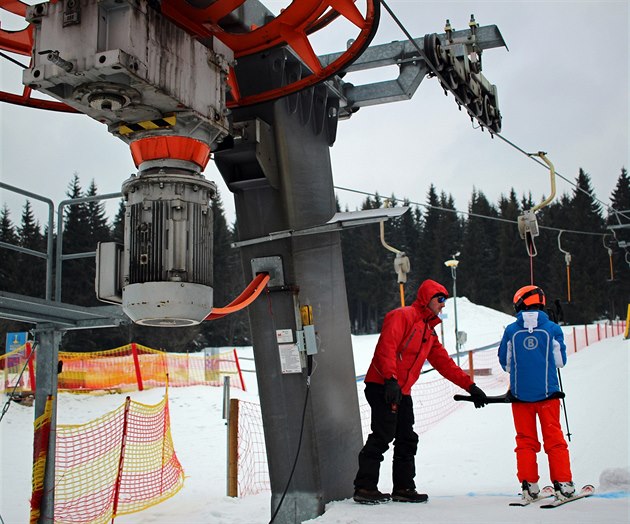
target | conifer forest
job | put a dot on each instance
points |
(493, 260)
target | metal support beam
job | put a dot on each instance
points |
(48, 339)
(298, 195)
(412, 68)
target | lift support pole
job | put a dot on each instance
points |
(281, 177)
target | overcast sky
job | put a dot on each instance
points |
(562, 86)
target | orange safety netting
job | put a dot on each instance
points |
(120, 463)
(137, 367)
(432, 400)
(125, 368)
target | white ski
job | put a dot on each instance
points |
(586, 491)
(545, 493)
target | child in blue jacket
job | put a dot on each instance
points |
(531, 351)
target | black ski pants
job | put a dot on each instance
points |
(387, 425)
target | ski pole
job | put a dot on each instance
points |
(564, 407)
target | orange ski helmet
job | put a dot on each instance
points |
(528, 296)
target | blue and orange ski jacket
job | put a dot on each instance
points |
(531, 350)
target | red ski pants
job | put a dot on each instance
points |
(528, 445)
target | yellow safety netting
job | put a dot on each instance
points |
(41, 438)
(120, 463)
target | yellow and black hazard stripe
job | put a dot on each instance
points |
(147, 125)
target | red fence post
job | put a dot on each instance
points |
(31, 366)
(598, 337)
(574, 341)
(238, 367)
(136, 363)
(586, 333)
(123, 443)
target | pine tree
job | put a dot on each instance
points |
(553, 253)
(350, 247)
(371, 282)
(477, 275)
(9, 268)
(232, 329)
(514, 266)
(32, 270)
(618, 235)
(78, 274)
(97, 217)
(426, 256)
(589, 268)
(449, 233)
(118, 228)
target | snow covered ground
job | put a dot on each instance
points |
(465, 462)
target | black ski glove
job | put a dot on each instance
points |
(393, 395)
(479, 397)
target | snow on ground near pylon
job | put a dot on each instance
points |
(467, 465)
(466, 462)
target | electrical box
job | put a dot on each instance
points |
(108, 282)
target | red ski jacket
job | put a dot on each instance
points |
(408, 339)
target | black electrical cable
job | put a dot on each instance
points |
(476, 215)
(3, 55)
(297, 453)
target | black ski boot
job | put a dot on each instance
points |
(370, 496)
(409, 495)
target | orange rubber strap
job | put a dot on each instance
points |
(251, 293)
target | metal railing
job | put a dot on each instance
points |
(54, 258)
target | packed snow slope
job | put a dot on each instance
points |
(465, 462)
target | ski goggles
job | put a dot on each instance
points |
(440, 298)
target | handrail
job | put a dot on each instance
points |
(60, 257)
(48, 255)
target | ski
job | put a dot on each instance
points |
(545, 493)
(586, 491)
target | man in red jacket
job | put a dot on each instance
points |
(407, 340)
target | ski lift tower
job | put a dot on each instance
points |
(179, 80)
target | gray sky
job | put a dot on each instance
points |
(562, 87)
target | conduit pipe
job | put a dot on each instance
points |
(249, 294)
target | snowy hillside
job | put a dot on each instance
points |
(466, 462)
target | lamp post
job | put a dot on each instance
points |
(453, 263)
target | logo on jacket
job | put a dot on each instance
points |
(530, 343)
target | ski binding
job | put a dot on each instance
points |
(586, 491)
(545, 493)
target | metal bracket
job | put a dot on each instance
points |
(271, 265)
